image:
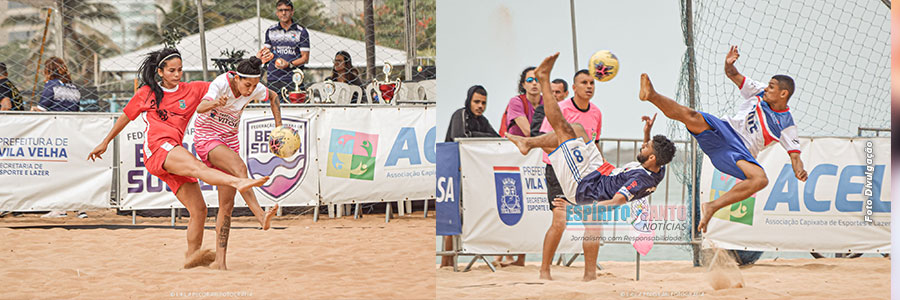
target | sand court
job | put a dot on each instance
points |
(331, 259)
(830, 278)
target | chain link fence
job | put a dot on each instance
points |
(102, 42)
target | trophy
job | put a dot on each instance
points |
(387, 89)
(297, 95)
(328, 88)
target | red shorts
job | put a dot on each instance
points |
(204, 147)
(154, 165)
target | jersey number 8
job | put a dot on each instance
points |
(577, 154)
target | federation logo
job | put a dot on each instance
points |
(286, 173)
(508, 186)
(740, 212)
(181, 104)
(351, 154)
(640, 217)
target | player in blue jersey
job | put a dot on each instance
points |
(579, 165)
(732, 143)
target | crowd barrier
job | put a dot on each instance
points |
(493, 200)
(348, 154)
(848, 184)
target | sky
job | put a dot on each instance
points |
(489, 42)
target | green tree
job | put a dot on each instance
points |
(181, 18)
(80, 40)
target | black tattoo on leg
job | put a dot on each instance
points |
(223, 232)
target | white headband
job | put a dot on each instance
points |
(246, 75)
(161, 61)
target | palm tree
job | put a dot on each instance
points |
(181, 19)
(80, 40)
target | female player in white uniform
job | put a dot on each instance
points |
(215, 136)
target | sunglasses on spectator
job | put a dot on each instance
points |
(530, 79)
(285, 10)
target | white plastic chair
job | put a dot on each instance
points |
(343, 93)
(425, 90)
(315, 93)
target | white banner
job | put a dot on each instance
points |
(377, 153)
(44, 166)
(827, 213)
(293, 182)
(504, 200)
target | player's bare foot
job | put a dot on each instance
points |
(589, 277)
(706, 213)
(267, 222)
(517, 262)
(218, 266)
(199, 258)
(647, 90)
(520, 143)
(545, 275)
(542, 72)
(248, 183)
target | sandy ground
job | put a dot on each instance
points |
(834, 278)
(297, 259)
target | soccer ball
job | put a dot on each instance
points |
(603, 65)
(284, 141)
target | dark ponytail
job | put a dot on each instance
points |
(250, 66)
(148, 75)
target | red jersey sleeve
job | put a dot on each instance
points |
(198, 90)
(138, 103)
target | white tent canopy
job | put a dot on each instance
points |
(242, 36)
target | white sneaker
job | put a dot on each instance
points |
(82, 215)
(55, 214)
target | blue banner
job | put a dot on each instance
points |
(448, 193)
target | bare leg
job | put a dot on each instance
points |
(520, 261)
(548, 141)
(692, 119)
(223, 225)
(189, 195)
(591, 246)
(552, 237)
(226, 159)
(563, 129)
(181, 162)
(756, 180)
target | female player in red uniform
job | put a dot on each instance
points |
(165, 105)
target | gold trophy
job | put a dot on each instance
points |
(297, 95)
(387, 89)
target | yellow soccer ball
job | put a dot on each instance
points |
(284, 141)
(603, 65)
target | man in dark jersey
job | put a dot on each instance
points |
(10, 99)
(289, 42)
(582, 172)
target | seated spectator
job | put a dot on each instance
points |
(10, 99)
(343, 71)
(59, 93)
(520, 109)
(469, 121)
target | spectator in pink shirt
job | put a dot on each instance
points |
(520, 110)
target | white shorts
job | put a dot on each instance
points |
(573, 160)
